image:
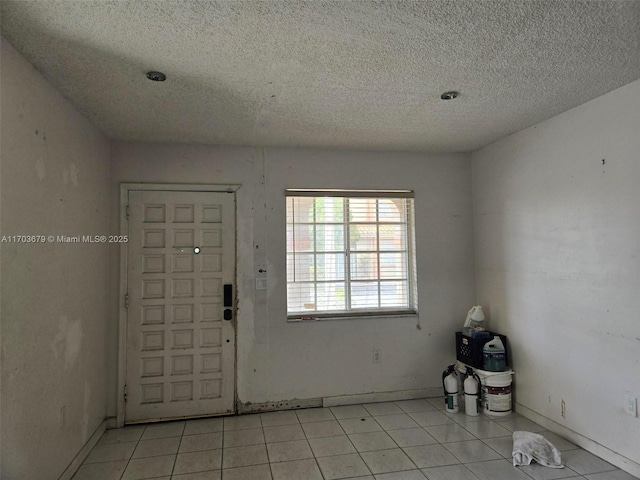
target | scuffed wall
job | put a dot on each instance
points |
(54, 182)
(285, 361)
(557, 229)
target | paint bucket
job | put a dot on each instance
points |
(496, 394)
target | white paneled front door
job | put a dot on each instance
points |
(180, 353)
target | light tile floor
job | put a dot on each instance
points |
(408, 440)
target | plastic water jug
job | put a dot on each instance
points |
(494, 356)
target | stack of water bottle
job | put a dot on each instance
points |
(484, 377)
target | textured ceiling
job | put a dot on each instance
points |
(359, 74)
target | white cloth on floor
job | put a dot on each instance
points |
(529, 446)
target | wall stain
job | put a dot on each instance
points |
(73, 175)
(68, 341)
(41, 169)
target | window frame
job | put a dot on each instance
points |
(409, 256)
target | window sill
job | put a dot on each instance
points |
(351, 316)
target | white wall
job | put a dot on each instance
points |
(557, 242)
(54, 181)
(284, 361)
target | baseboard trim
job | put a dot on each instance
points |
(112, 422)
(381, 397)
(248, 407)
(373, 397)
(620, 461)
(83, 453)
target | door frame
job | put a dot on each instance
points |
(125, 188)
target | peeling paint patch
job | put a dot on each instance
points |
(68, 341)
(296, 403)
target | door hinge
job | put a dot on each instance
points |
(126, 301)
(125, 393)
(127, 211)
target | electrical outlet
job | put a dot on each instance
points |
(377, 356)
(630, 405)
(563, 409)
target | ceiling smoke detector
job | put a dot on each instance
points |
(449, 95)
(156, 76)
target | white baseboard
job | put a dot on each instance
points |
(381, 397)
(589, 445)
(373, 397)
(112, 422)
(83, 453)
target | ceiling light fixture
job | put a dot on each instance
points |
(156, 76)
(449, 95)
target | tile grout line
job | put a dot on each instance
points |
(175, 462)
(134, 449)
(222, 448)
(265, 448)
(315, 459)
(439, 443)
(353, 445)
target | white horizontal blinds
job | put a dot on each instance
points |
(349, 254)
(378, 253)
(316, 263)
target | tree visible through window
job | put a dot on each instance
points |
(349, 253)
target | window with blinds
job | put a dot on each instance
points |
(350, 253)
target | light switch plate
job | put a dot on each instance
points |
(261, 270)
